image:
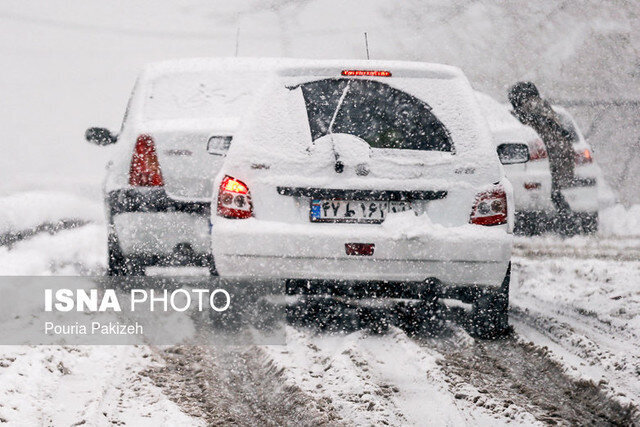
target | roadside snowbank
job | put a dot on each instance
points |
(22, 211)
(620, 221)
(586, 312)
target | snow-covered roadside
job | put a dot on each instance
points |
(76, 385)
(82, 385)
(619, 221)
(587, 312)
(23, 211)
(77, 252)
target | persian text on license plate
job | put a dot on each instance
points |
(370, 211)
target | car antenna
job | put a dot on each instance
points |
(366, 44)
(237, 40)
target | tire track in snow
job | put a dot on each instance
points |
(236, 385)
(585, 310)
(376, 379)
(607, 353)
(510, 371)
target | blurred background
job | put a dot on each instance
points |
(70, 64)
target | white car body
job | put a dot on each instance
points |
(178, 105)
(278, 165)
(531, 181)
(592, 191)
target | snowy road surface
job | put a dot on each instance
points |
(574, 356)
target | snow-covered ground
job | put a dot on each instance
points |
(573, 356)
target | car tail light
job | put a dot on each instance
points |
(490, 207)
(583, 157)
(537, 150)
(145, 168)
(234, 199)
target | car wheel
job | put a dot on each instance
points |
(490, 314)
(212, 268)
(115, 260)
(589, 222)
(117, 263)
(421, 319)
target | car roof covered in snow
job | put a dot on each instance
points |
(301, 66)
(504, 126)
(221, 89)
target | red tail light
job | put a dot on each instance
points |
(490, 207)
(583, 157)
(145, 168)
(234, 199)
(537, 150)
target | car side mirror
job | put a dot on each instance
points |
(510, 154)
(218, 145)
(100, 136)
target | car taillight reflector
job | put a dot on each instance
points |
(145, 168)
(234, 199)
(360, 249)
(490, 207)
(584, 156)
(537, 150)
(532, 185)
(366, 73)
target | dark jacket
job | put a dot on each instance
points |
(534, 111)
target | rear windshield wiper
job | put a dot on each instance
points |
(338, 166)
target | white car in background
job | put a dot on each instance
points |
(590, 191)
(179, 122)
(531, 181)
(369, 178)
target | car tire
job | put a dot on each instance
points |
(589, 222)
(117, 263)
(212, 268)
(421, 319)
(489, 317)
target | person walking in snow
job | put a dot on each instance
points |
(532, 110)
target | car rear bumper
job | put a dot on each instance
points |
(582, 198)
(155, 228)
(472, 255)
(531, 189)
(162, 234)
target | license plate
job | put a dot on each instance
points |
(370, 211)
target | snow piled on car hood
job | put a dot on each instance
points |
(504, 126)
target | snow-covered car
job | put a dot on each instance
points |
(590, 189)
(368, 178)
(531, 181)
(179, 122)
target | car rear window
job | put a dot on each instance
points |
(200, 95)
(379, 114)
